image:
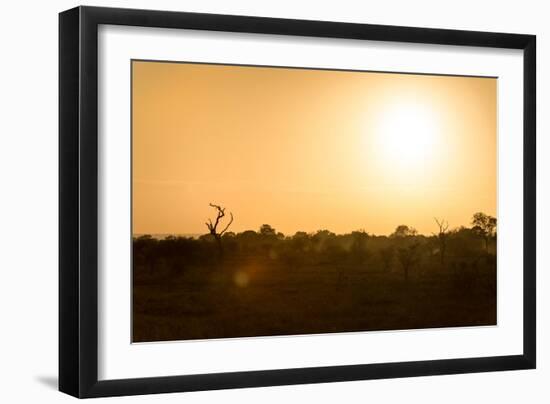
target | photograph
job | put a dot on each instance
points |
(274, 201)
(297, 198)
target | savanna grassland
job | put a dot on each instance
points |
(262, 283)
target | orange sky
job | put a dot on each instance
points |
(305, 149)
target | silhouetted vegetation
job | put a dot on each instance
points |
(213, 227)
(442, 238)
(262, 282)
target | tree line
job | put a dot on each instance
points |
(458, 249)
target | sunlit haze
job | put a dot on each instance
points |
(304, 150)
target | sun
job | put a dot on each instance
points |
(407, 135)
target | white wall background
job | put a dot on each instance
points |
(28, 201)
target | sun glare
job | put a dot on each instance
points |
(407, 135)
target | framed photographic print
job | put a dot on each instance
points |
(250, 201)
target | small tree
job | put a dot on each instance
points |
(404, 231)
(441, 237)
(267, 230)
(408, 257)
(484, 226)
(387, 254)
(213, 227)
(359, 243)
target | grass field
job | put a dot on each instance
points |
(261, 297)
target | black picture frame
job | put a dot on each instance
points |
(78, 201)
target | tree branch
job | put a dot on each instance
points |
(228, 224)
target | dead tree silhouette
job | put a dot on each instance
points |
(442, 238)
(213, 227)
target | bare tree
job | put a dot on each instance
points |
(442, 238)
(213, 227)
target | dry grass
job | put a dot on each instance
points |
(263, 297)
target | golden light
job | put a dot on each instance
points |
(241, 279)
(337, 150)
(407, 135)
